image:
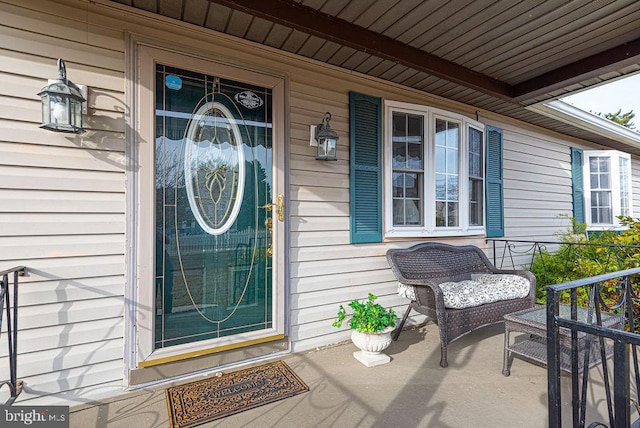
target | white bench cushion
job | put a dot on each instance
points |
(481, 289)
(406, 291)
(485, 288)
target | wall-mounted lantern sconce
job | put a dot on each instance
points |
(62, 104)
(327, 140)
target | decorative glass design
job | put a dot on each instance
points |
(214, 168)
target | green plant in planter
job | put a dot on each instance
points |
(368, 317)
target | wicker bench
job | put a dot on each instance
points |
(425, 266)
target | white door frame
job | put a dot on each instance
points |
(140, 294)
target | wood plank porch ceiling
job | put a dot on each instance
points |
(497, 55)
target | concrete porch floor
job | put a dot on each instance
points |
(411, 391)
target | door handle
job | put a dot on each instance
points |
(279, 204)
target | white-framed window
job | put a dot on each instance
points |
(434, 172)
(607, 188)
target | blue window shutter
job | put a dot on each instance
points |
(494, 186)
(365, 172)
(577, 183)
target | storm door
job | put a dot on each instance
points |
(215, 209)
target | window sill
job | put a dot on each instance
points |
(433, 234)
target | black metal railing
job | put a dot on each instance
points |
(620, 343)
(9, 306)
(522, 254)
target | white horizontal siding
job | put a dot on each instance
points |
(315, 238)
(319, 209)
(322, 267)
(62, 202)
(69, 312)
(537, 184)
(73, 50)
(15, 224)
(39, 339)
(340, 281)
(63, 211)
(98, 142)
(17, 154)
(64, 22)
(54, 291)
(27, 177)
(74, 385)
(43, 247)
(80, 355)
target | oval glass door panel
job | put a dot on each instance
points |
(214, 168)
(213, 178)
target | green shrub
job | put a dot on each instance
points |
(572, 261)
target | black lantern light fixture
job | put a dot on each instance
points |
(327, 140)
(62, 104)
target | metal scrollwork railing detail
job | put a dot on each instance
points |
(618, 342)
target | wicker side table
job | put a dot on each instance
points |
(533, 321)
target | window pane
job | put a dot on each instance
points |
(599, 174)
(398, 212)
(453, 134)
(602, 215)
(475, 202)
(399, 154)
(447, 142)
(412, 212)
(411, 186)
(441, 156)
(474, 165)
(476, 173)
(398, 185)
(447, 133)
(594, 166)
(399, 125)
(415, 127)
(452, 188)
(408, 141)
(440, 214)
(441, 186)
(407, 199)
(408, 149)
(475, 153)
(601, 210)
(452, 161)
(604, 180)
(406, 212)
(414, 158)
(452, 214)
(441, 127)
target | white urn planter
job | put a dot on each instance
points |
(371, 346)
